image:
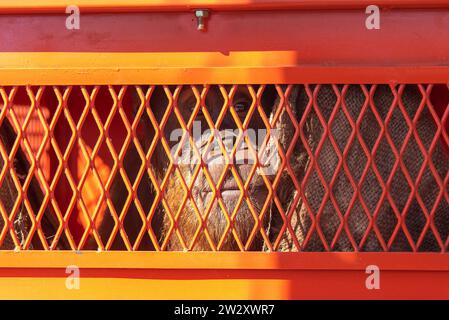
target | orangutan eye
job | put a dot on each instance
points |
(241, 106)
(191, 105)
(192, 108)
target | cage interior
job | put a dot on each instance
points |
(297, 167)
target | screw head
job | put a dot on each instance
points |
(202, 13)
(201, 16)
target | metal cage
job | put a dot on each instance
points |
(76, 100)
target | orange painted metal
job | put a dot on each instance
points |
(236, 68)
(341, 261)
(219, 5)
(221, 284)
(330, 46)
(224, 275)
(298, 47)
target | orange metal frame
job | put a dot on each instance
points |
(298, 46)
(231, 5)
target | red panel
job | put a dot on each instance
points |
(320, 38)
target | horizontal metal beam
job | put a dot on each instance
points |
(51, 6)
(225, 260)
(221, 284)
(197, 68)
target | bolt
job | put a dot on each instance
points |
(201, 16)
